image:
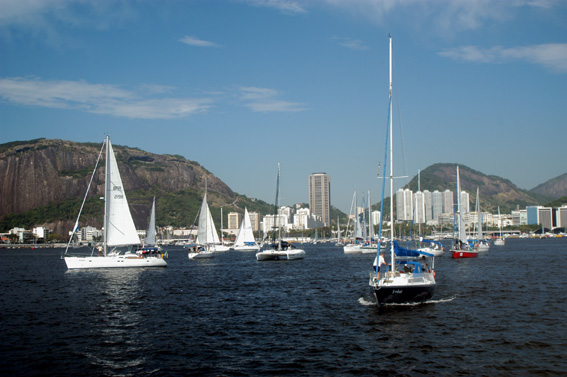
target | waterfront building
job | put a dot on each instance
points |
(448, 202)
(428, 205)
(320, 196)
(233, 220)
(419, 202)
(437, 205)
(404, 205)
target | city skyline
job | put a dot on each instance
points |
(217, 82)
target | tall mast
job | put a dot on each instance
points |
(391, 166)
(107, 187)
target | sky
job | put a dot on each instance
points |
(240, 85)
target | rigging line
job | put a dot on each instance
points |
(76, 226)
(400, 126)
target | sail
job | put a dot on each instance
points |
(207, 232)
(119, 225)
(151, 233)
(461, 225)
(245, 234)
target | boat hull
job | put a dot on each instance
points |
(280, 255)
(463, 254)
(255, 248)
(201, 255)
(119, 261)
(403, 294)
(352, 249)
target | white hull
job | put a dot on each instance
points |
(352, 249)
(435, 252)
(201, 255)
(255, 248)
(499, 242)
(220, 248)
(370, 249)
(114, 261)
(280, 255)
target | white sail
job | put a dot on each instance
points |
(245, 234)
(207, 232)
(461, 222)
(119, 225)
(151, 233)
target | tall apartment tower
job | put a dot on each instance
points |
(320, 196)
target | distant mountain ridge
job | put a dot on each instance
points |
(494, 191)
(44, 181)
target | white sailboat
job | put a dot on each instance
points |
(480, 244)
(245, 239)
(500, 241)
(410, 277)
(207, 237)
(355, 244)
(150, 245)
(119, 232)
(461, 247)
(279, 249)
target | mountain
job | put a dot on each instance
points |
(494, 191)
(554, 188)
(44, 182)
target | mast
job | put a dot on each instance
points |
(391, 167)
(107, 189)
(276, 204)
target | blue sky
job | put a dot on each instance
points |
(239, 86)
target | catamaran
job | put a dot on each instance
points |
(119, 233)
(410, 277)
(278, 249)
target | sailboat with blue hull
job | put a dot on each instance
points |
(409, 278)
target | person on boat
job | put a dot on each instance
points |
(377, 263)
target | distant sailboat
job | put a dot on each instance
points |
(461, 247)
(500, 241)
(150, 240)
(207, 236)
(119, 232)
(279, 249)
(245, 239)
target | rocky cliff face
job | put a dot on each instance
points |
(42, 172)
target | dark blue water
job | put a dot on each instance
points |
(503, 313)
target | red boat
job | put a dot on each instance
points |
(463, 254)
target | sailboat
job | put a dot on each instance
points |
(410, 277)
(278, 249)
(461, 247)
(207, 237)
(500, 241)
(480, 244)
(245, 240)
(119, 232)
(339, 239)
(355, 244)
(150, 245)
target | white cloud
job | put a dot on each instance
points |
(98, 98)
(552, 55)
(266, 100)
(354, 44)
(284, 6)
(194, 41)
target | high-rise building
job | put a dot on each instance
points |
(233, 220)
(320, 196)
(404, 204)
(419, 209)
